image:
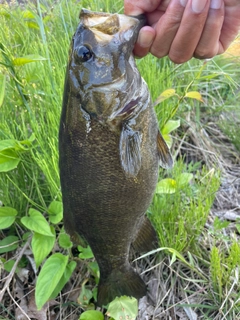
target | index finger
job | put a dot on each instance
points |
(136, 7)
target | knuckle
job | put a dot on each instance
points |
(158, 53)
(204, 53)
(177, 58)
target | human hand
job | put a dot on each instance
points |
(183, 29)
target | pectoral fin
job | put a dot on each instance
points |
(130, 150)
(165, 157)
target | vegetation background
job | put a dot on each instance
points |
(195, 272)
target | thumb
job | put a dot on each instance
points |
(145, 39)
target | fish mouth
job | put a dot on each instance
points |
(110, 24)
(114, 84)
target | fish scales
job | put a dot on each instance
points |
(109, 149)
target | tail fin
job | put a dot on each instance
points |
(146, 238)
(118, 283)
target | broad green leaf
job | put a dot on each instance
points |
(49, 277)
(32, 25)
(184, 179)
(27, 142)
(55, 211)
(86, 253)
(2, 88)
(7, 144)
(41, 247)
(164, 95)
(9, 243)
(7, 217)
(9, 160)
(166, 186)
(64, 279)
(8, 265)
(170, 126)
(36, 222)
(23, 145)
(123, 308)
(27, 14)
(85, 296)
(92, 315)
(64, 241)
(170, 186)
(26, 235)
(30, 19)
(194, 95)
(27, 59)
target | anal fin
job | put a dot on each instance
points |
(146, 238)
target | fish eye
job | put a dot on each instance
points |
(83, 54)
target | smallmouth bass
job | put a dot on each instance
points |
(110, 149)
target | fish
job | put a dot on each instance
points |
(110, 149)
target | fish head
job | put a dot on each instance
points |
(101, 47)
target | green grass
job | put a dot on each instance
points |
(180, 217)
(201, 259)
(42, 86)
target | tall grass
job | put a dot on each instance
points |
(42, 87)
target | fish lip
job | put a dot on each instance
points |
(111, 84)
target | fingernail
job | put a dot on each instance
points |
(198, 5)
(145, 39)
(215, 4)
(184, 2)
